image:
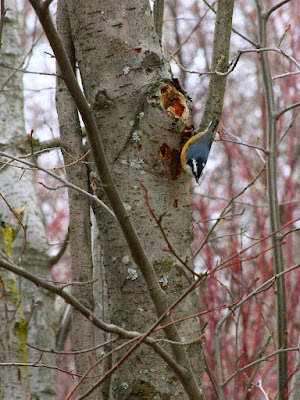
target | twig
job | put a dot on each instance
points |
(66, 284)
(78, 189)
(25, 71)
(236, 59)
(274, 8)
(260, 354)
(233, 29)
(286, 74)
(224, 210)
(261, 288)
(71, 353)
(252, 146)
(291, 107)
(266, 358)
(158, 223)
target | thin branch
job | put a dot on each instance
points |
(288, 128)
(274, 8)
(286, 74)
(258, 361)
(224, 210)
(252, 146)
(235, 60)
(267, 284)
(165, 236)
(64, 181)
(71, 353)
(233, 30)
(289, 108)
(190, 34)
(54, 259)
(255, 370)
(25, 71)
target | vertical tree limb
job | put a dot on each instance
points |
(79, 225)
(273, 205)
(220, 57)
(158, 11)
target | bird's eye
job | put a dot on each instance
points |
(203, 164)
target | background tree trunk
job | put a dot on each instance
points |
(27, 313)
(79, 208)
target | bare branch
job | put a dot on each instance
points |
(233, 30)
(65, 182)
(274, 8)
(270, 282)
(224, 210)
(258, 361)
(289, 108)
(286, 74)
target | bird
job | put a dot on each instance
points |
(195, 152)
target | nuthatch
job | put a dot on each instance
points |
(195, 152)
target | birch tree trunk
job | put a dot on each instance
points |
(26, 312)
(143, 112)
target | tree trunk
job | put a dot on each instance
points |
(79, 224)
(29, 314)
(143, 113)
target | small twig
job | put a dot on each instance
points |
(258, 361)
(66, 284)
(54, 259)
(243, 144)
(288, 232)
(25, 71)
(291, 107)
(259, 386)
(225, 208)
(233, 30)
(36, 365)
(158, 223)
(286, 74)
(268, 13)
(283, 36)
(71, 353)
(236, 59)
(190, 34)
(289, 127)
(260, 354)
(78, 189)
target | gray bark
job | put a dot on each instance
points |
(129, 85)
(79, 224)
(37, 304)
